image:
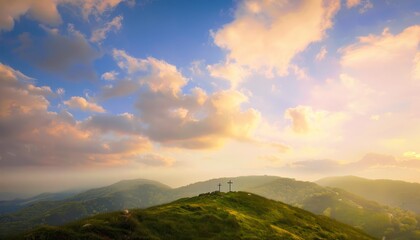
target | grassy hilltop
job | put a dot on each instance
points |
(235, 215)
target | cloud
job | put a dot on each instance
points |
(121, 88)
(232, 72)
(376, 89)
(155, 160)
(266, 35)
(300, 119)
(368, 162)
(127, 62)
(123, 124)
(305, 119)
(60, 91)
(161, 75)
(69, 55)
(82, 104)
(321, 54)
(109, 76)
(196, 120)
(373, 57)
(197, 67)
(100, 34)
(94, 7)
(193, 120)
(343, 94)
(366, 6)
(46, 11)
(352, 3)
(33, 135)
(43, 11)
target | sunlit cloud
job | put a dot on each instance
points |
(100, 34)
(321, 54)
(32, 135)
(193, 120)
(46, 11)
(109, 76)
(231, 72)
(251, 39)
(84, 105)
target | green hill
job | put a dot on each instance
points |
(368, 216)
(389, 192)
(235, 215)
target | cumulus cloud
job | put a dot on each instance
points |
(70, 55)
(187, 120)
(109, 76)
(100, 34)
(196, 120)
(373, 57)
(46, 11)
(232, 72)
(377, 89)
(43, 11)
(33, 135)
(127, 62)
(162, 77)
(84, 105)
(266, 35)
(300, 118)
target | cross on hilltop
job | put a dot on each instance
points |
(230, 185)
(219, 185)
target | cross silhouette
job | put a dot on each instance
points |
(219, 185)
(230, 185)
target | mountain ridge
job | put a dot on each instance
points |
(394, 193)
(334, 203)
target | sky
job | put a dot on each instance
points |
(96, 91)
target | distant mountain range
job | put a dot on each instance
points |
(8, 206)
(369, 216)
(234, 215)
(389, 192)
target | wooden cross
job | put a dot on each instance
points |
(230, 183)
(219, 185)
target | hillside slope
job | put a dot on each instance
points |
(122, 195)
(356, 211)
(394, 193)
(235, 215)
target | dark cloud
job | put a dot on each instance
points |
(122, 124)
(120, 88)
(69, 55)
